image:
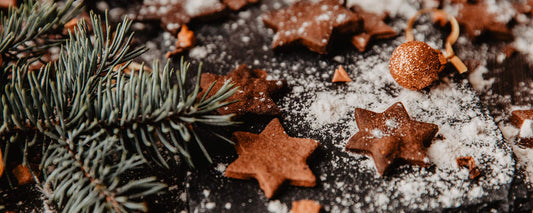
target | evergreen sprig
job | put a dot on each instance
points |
(90, 117)
(26, 30)
(82, 174)
(148, 109)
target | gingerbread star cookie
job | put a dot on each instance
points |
(392, 135)
(374, 29)
(476, 20)
(175, 13)
(272, 157)
(254, 95)
(311, 24)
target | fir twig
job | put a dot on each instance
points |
(25, 31)
(86, 116)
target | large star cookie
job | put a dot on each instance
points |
(254, 94)
(476, 20)
(272, 157)
(311, 24)
(374, 29)
(392, 135)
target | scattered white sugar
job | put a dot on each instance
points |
(525, 159)
(183, 196)
(221, 168)
(327, 108)
(509, 132)
(197, 7)
(245, 39)
(526, 131)
(503, 10)
(198, 52)
(277, 206)
(523, 38)
(478, 81)
(210, 205)
(206, 193)
(377, 133)
(227, 206)
(403, 8)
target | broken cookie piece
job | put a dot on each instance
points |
(374, 29)
(185, 41)
(476, 20)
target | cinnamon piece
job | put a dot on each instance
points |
(23, 175)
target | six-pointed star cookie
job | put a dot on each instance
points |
(254, 94)
(392, 135)
(374, 29)
(311, 24)
(272, 157)
(476, 20)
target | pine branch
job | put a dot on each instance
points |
(25, 32)
(86, 172)
(148, 109)
(90, 116)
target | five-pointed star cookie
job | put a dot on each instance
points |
(254, 94)
(476, 20)
(272, 157)
(392, 135)
(374, 29)
(311, 24)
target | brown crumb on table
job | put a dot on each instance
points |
(519, 116)
(23, 175)
(470, 163)
(185, 40)
(340, 75)
(305, 206)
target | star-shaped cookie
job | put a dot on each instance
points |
(374, 29)
(392, 135)
(476, 20)
(254, 94)
(272, 157)
(311, 24)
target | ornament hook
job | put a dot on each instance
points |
(452, 38)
